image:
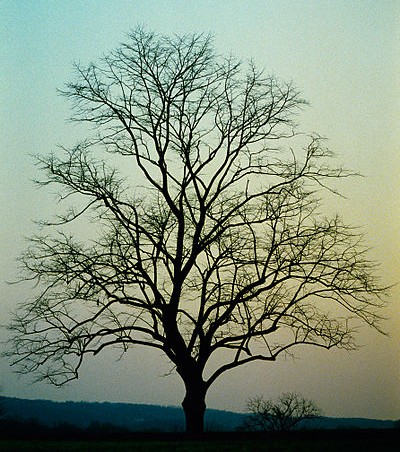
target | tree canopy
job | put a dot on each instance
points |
(210, 236)
(289, 412)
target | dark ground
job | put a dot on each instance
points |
(302, 441)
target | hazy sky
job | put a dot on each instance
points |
(345, 58)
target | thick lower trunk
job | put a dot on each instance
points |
(194, 407)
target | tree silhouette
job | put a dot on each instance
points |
(287, 413)
(207, 230)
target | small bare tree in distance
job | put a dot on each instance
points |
(287, 413)
(218, 245)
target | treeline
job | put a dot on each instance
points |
(131, 417)
(83, 415)
(45, 418)
(32, 429)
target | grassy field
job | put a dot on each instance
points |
(361, 441)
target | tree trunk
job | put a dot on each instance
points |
(194, 407)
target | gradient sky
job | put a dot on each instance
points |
(345, 58)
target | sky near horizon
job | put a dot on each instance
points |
(344, 56)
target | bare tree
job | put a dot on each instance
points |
(287, 413)
(217, 245)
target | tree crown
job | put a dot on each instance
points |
(215, 243)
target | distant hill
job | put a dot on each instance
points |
(141, 417)
(349, 423)
(135, 417)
